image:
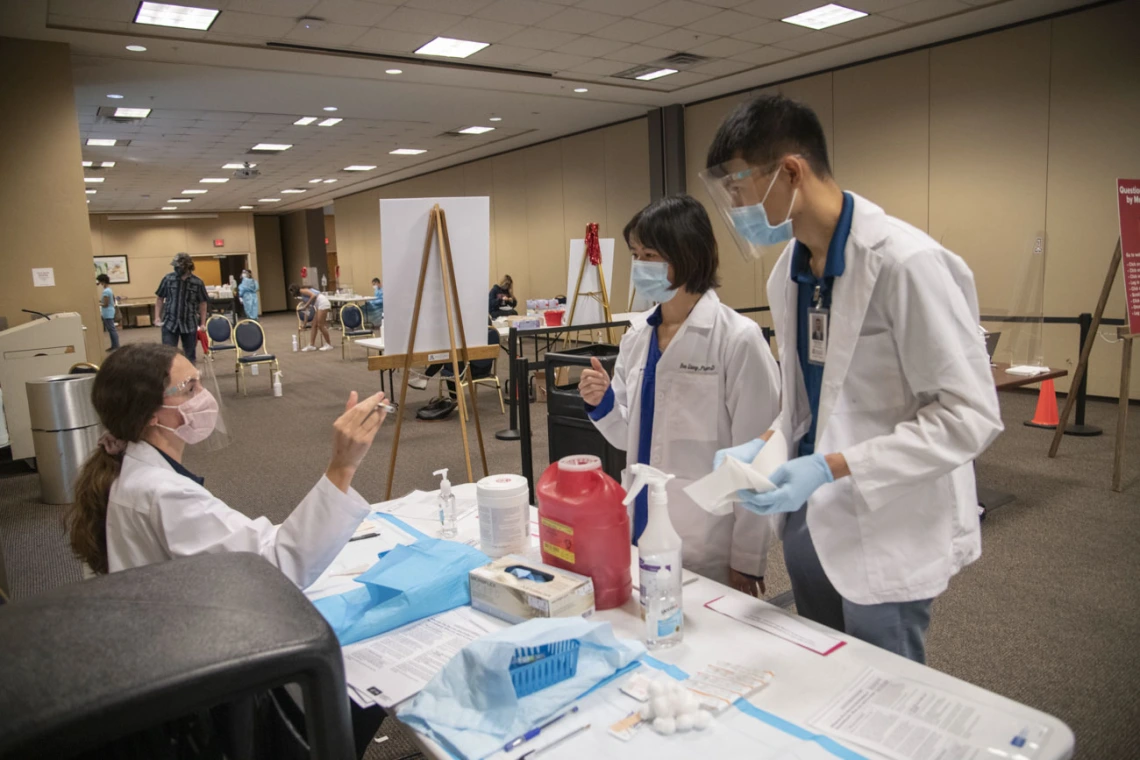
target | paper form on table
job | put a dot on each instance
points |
(767, 618)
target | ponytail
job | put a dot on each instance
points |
(87, 518)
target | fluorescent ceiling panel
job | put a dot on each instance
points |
(178, 16)
(132, 113)
(824, 16)
(100, 142)
(406, 152)
(304, 121)
(650, 76)
(476, 130)
(447, 47)
(329, 122)
(271, 147)
(359, 168)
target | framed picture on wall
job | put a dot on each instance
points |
(114, 267)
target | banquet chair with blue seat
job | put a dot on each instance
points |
(249, 338)
(352, 327)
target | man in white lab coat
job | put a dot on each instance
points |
(884, 408)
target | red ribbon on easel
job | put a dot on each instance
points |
(593, 248)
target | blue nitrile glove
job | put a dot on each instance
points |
(745, 452)
(795, 482)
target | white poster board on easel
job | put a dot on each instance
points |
(403, 226)
(589, 310)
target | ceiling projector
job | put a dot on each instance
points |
(246, 172)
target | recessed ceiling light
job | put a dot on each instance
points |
(93, 179)
(86, 163)
(244, 208)
(824, 16)
(304, 121)
(329, 181)
(580, 89)
(650, 76)
(447, 47)
(131, 113)
(315, 181)
(329, 108)
(495, 118)
(114, 96)
(293, 190)
(476, 130)
(100, 142)
(275, 147)
(237, 166)
(179, 200)
(136, 48)
(107, 164)
(88, 201)
(180, 16)
(393, 71)
(268, 200)
(90, 192)
(329, 122)
(195, 192)
(359, 168)
(214, 180)
(406, 152)
(169, 208)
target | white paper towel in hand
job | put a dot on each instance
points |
(716, 492)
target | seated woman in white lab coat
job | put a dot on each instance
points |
(691, 376)
(136, 504)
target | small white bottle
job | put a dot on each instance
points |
(664, 622)
(449, 528)
(277, 384)
(294, 344)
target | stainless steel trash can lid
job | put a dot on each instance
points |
(61, 402)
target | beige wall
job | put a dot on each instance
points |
(983, 143)
(150, 244)
(270, 263)
(42, 203)
(303, 243)
(540, 198)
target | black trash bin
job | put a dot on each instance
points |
(570, 429)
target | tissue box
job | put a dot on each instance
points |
(524, 323)
(499, 593)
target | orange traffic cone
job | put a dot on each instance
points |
(1046, 415)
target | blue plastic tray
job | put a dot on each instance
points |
(535, 668)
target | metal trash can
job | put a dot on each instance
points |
(65, 430)
(569, 427)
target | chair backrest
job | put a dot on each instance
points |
(219, 329)
(351, 317)
(249, 336)
(83, 368)
(304, 316)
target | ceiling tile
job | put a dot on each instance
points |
(677, 13)
(527, 12)
(234, 24)
(619, 7)
(388, 41)
(925, 10)
(578, 21)
(355, 12)
(423, 22)
(678, 80)
(639, 54)
(631, 30)
(482, 30)
(725, 47)
(864, 27)
(462, 7)
(775, 31)
(591, 47)
(109, 10)
(601, 67)
(723, 3)
(721, 68)
(292, 8)
(503, 54)
(875, 6)
(778, 9)
(540, 39)
(555, 61)
(680, 39)
(764, 55)
(329, 34)
(726, 22)
(811, 42)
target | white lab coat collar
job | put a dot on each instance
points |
(147, 454)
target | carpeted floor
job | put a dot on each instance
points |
(1049, 616)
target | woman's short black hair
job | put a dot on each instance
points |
(629, 226)
(678, 228)
(767, 128)
(105, 279)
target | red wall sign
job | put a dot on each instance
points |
(1128, 192)
(304, 272)
(219, 243)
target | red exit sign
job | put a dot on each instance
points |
(219, 243)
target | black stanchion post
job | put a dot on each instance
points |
(1078, 426)
(522, 369)
(512, 432)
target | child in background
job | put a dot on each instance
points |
(107, 310)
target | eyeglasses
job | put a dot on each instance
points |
(189, 386)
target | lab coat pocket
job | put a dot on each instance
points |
(691, 419)
(874, 380)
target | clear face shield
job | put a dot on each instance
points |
(198, 400)
(739, 191)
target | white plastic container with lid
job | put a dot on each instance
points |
(504, 514)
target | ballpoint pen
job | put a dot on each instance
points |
(536, 731)
(387, 407)
(555, 743)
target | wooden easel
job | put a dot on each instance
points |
(437, 229)
(1082, 368)
(602, 296)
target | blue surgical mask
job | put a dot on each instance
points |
(651, 278)
(753, 225)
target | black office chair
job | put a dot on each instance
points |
(125, 664)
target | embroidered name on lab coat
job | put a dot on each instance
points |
(704, 369)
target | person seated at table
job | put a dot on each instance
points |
(374, 309)
(502, 300)
(678, 390)
(320, 303)
(137, 504)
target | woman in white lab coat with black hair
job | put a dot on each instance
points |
(136, 504)
(693, 376)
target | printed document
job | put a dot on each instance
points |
(769, 619)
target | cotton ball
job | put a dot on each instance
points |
(686, 721)
(665, 726)
(662, 707)
(702, 720)
(656, 689)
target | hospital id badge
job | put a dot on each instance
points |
(817, 336)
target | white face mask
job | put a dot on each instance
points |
(199, 415)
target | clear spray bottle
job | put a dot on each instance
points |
(447, 517)
(658, 549)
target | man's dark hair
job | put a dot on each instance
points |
(106, 280)
(765, 129)
(678, 227)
